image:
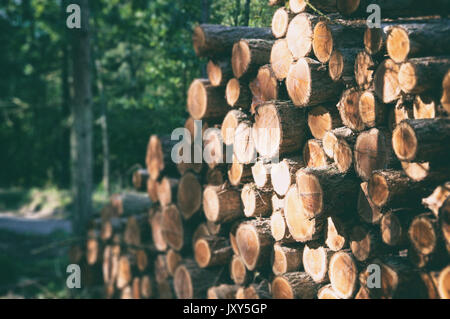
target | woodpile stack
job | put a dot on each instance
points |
(329, 145)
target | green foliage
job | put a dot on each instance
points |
(144, 63)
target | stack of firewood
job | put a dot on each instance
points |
(327, 146)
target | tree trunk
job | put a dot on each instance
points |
(128, 204)
(189, 195)
(206, 102)
(248, 55)
(222, 205)
(314, 155)
(294, 285)
(219, 72)
(212, 251)
(238, 94)
(322, 119)
(286, 258)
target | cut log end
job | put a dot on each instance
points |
(280, 22)
(387, 80)
(197, 100)
(315, 262)
(298, 82)
(404, 142)
(281, 59)
(320, 121)
(232, 91)
(322, 42)
(422, 234)
(241, 58)
(314, 155)
(397, 44)
(373, 40)
(300, 35)
(343, 274)
(189, 195)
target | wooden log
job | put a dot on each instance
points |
(189, 195)
(280, 22)
(328, 6)
(218, 40)
(443, 285)
(222, 292)
(161, 272)
(364, 70)
(123, 273)
(427, 107)
(322, 119)
(349, 109)
(434, 173)
(363, 293)
(387, 81)
(338, 232)
(201, 231)
(401, 8)
(261, 174)
(139, 179)
(196, 128)
(173, 260)
(373, 151)
(259, 290)
(301, 227)
(230, 123)
(193, 160)
(445, 98)
(255, 243)
(315, 262)
(372, 111)
(146, 287)
(248, 55)
(417, 40)
(325, 191)
(128, 204)
(266, 86)
(279, 129)
(256, 202)
(192, 282)
(365, 242)
(238, 95)
(294, 285)
(157, 229)
(425, 235)
(421, 140)
(343, 155)
(327, 292)
(219, 72)
(403, 109)
(167, 190)
(343, 274)
(341, 65)
(281, 59)
(299, 35)
(232, 235)
(222, 205)
(422, 74)
(206, 102)
(436, 200)
(244, 146)
(282, 174)
(173, 230)
(214, 152)
(238, 272)
(394, 227)
(216, 176)
(286, 258)
(367, 210)
(165, 289)
(330, 138)
(314, 155)
(110, 265)
(212, 251)
(308, 83)
(158, 158)
(239, 173)
(279, 229)
(137, 230)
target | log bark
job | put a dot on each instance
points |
(212, 251)
(158, 158)
(279, 129)
(217, 40)
(219, 72)
(309, 84)
(206, 102)
(128, 204)
(222, 204)
(341, 66)
(281, 59)
(248, 55)
(315, 262)
(422, 74)
(256, 202)
(282, 174)
(238, 94)
(286, 258)
(343, 274)
(314, 155)
(139, 179)
(189, 195)
(294, 285)
(421, 140)
(373, 151)
(322, 119)
(367, 210)
(255, 243)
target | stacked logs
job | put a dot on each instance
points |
(316, 157)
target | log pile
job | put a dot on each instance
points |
(328, 147)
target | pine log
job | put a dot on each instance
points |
(206, 102)
(167, 190)
(417, 40)
(281, 59)
(218, 40)
(256, 202)
(372, 111)
(373, 151)
(393, 9)
(282, 174)
(222, 204)
(243, 146)
(212, 251)
(322, 119)
(238, 272)
(201, 231)
(158, 158)
(309, 84)
(327, 292)
(238, 94)
(330, 138)
(349, 109)
(364, 70)
(173, 231)
(425, 235)
(279, 129)
(314, 155)
(189, 195)
(365, 242)
(219, 72)
(394, 227)
(315, 262)
(280, 22)
(139, 179)
(421, 140)
(230, 123)
(341, 66)
(248, 55)
(266, 86)
(279, 229)
(128, 204)
(343, 155)
(286, 258)
(294, 285)
(422, 74)
(192, 282)
(222, 292)
(325, 191)
(255, 243)
(367, 210)
(301, 227)
(157, 230)
(239, 173)
(261, 174)
(343, 274)
(299, 35)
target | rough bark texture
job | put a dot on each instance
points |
(294, 285)
(212, 251)
(222, 204)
